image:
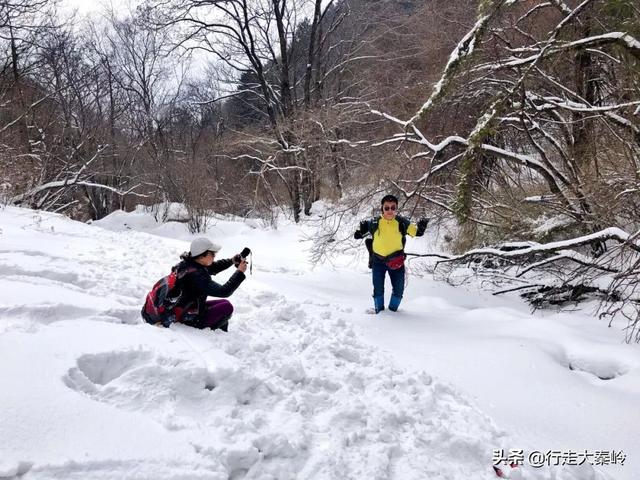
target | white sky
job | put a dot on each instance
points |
(88, 7)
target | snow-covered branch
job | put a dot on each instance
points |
(73, 182)
(568, 255)
(623, 39)
(612, 233)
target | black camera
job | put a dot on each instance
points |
(242, 256)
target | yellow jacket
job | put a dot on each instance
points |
(387, 239)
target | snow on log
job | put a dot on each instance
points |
(611, 233)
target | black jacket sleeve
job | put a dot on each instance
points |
(202, 285)
(216, 290)
(219, 266)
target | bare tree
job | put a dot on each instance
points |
(262, 41)
(536, 115)
(21, 23)
(555, 131)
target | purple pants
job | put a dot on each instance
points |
(217, 314)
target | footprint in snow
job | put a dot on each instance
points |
(140, 380)
(602, 368)
(100, 369)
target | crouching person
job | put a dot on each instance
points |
(199, 264)
(182, 295)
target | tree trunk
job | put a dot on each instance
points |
(583, 149)
(22, 124)
(312, 55)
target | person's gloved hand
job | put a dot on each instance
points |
(362, 230)
(422, 226)
(168, 320)
(236, 259)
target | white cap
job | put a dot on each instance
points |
(201, 245)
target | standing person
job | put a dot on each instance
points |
(386, 249)
(197, 266)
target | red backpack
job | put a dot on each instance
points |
(161, 301)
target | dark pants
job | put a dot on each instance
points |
(217, 315)
(378, 271)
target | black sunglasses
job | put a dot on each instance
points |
(390, 207)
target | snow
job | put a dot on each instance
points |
(305, 385)
(546, 225)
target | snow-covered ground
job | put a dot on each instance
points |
(305, 385)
